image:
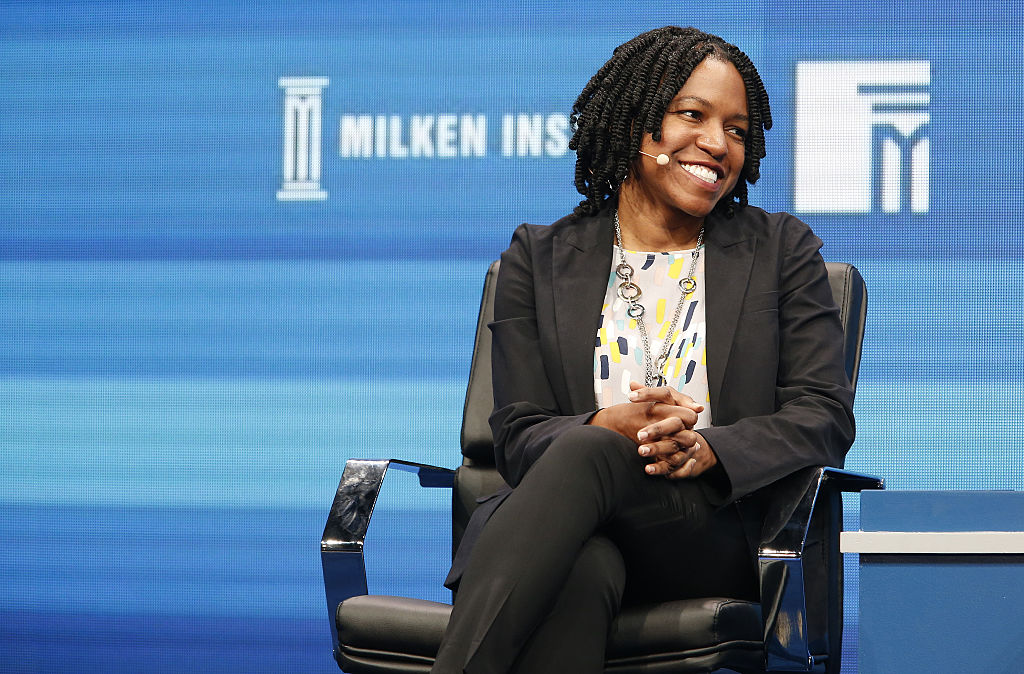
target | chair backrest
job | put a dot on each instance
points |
(848, 290)
(477, 441)
(851, 296)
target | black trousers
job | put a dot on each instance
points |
(585, 531)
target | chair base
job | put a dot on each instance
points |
(719, 633)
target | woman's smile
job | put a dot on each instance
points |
(701, 172)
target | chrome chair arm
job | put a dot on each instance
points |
(341, 546)
(796, 500)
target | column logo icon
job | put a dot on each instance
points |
(302, 139)
(861, 141)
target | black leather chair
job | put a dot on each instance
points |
(797, 625)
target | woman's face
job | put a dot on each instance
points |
(703, 134)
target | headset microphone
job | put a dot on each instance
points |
(662, 159)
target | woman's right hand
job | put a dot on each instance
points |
(647, 406)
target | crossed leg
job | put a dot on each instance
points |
(542, 562)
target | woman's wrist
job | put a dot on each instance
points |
(600, 418)
(609, 417)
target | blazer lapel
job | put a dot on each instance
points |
(581, 261)
(730, 256)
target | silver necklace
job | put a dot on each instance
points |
(630, 293)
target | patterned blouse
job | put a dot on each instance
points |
(618, 352)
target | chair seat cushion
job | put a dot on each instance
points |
(687, 635)
(379, 634)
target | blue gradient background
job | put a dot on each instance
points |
(187, 362)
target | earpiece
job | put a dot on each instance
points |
(662, 159)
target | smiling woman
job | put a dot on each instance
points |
(658, 354)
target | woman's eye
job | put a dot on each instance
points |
(739, 133)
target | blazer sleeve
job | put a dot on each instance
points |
(527, 414)
(813, 419)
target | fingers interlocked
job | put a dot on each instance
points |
(669, 443)
(672, 455)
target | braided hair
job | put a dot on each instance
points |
(628, 97)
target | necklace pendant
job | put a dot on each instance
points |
(660, 381)
(687, 285)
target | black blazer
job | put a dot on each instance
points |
(780, 397)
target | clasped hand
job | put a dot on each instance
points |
(660, 420)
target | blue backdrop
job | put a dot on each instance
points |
(243, 242)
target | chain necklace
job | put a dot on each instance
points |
(630, 293)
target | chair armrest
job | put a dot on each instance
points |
(792, 506)
(793, 502)
(341, 546)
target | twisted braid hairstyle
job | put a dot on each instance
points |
(628, 97)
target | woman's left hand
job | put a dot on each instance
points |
(677, 455)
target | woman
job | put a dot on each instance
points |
(660, 353)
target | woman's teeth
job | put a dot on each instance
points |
(702, 172)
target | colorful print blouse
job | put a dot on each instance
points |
(618, 352)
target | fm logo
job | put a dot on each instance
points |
(862, 137)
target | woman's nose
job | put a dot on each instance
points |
(712, 140)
